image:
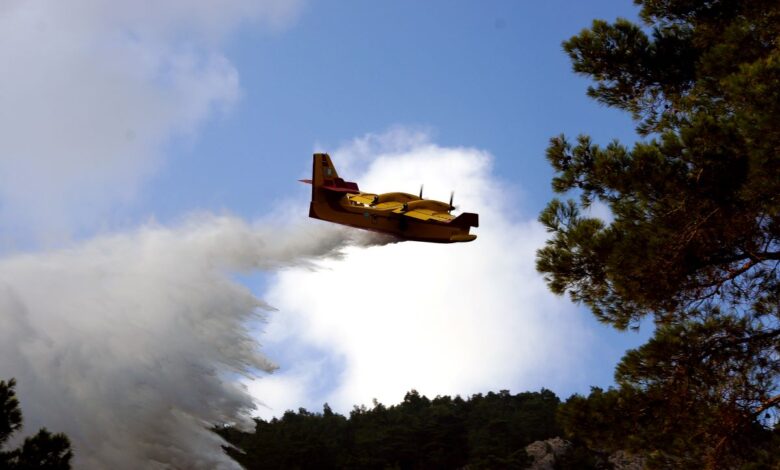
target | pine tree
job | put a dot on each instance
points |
(694, 241)
(43, 451)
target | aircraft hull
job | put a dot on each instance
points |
(401, 227)
(403, 215)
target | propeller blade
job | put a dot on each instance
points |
(452, 196)
(421, 188)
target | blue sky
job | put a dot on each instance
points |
(490, 75)
(148, 202)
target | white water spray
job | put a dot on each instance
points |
(134, 344)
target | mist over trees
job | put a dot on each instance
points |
(44, 450)
(695, 239)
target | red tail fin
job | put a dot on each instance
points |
(325, 177)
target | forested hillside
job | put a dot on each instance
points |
(483, 431)
(488, 431)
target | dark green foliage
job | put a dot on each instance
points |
(10, 414)
(695, 238)
(485, 431)
(700, 202)
(670, 435)
(44, 450)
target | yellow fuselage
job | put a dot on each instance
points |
(339, 209)
(400, 214)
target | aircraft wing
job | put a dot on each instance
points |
(362, 198)
(368, 199)
(426, 214)
(389, 206)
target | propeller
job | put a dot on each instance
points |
(452, 196)
(421, 188)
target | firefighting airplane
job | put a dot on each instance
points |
(403, 215)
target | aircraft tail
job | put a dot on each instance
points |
(322, 169)
(326, 180)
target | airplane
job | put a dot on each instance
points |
(402, 215)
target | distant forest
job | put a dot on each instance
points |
(480, 432)
(483, 431)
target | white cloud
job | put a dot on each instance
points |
(443, 319)
(91, 91)
(132, 344)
